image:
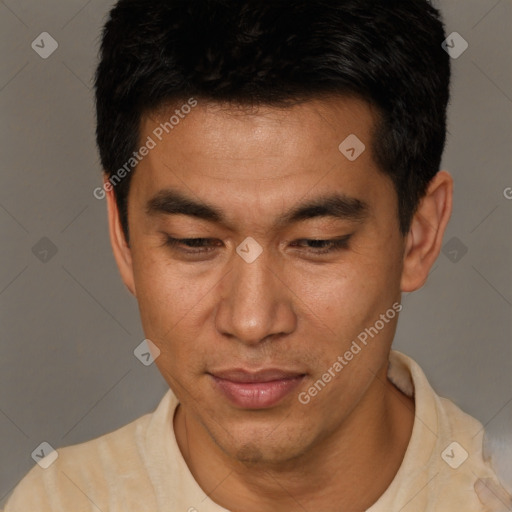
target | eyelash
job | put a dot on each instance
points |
(336, 244)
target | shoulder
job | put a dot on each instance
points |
(448, 441)
(468, 461)
(83, 476)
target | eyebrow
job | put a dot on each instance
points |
(336, 205)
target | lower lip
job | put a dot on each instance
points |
(257, 395)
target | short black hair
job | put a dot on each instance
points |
(280, 52)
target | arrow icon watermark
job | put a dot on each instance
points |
(146, 352)
(352, 147)
(45, 455)
(455, 45)
(249, 250)
(44, 45)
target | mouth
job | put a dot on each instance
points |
(256, 390)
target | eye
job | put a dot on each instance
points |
(193, 246)
(325, 246)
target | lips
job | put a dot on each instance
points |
(239, 375)
(255, 390)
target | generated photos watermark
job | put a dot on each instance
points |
(158, 133)
(355, 348)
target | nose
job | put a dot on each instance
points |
(255, 302)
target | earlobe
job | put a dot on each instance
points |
(425, 237)
(120, 248)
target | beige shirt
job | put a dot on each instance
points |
(139, 467)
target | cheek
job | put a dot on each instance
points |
(168, 299)
(350, 294)
(170, 305)
(341, 304)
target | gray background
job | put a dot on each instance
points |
(68, 326)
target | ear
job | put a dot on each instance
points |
(121, 249)
(425, 236)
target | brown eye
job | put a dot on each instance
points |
(190, 245)
(325, 246)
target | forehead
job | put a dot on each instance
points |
(263, 160)
(238, 132)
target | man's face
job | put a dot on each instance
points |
(289, 308)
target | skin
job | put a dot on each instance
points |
(288, 309)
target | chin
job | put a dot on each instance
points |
(253, 455)
(269, 446)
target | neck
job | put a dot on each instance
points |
(349, 470)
